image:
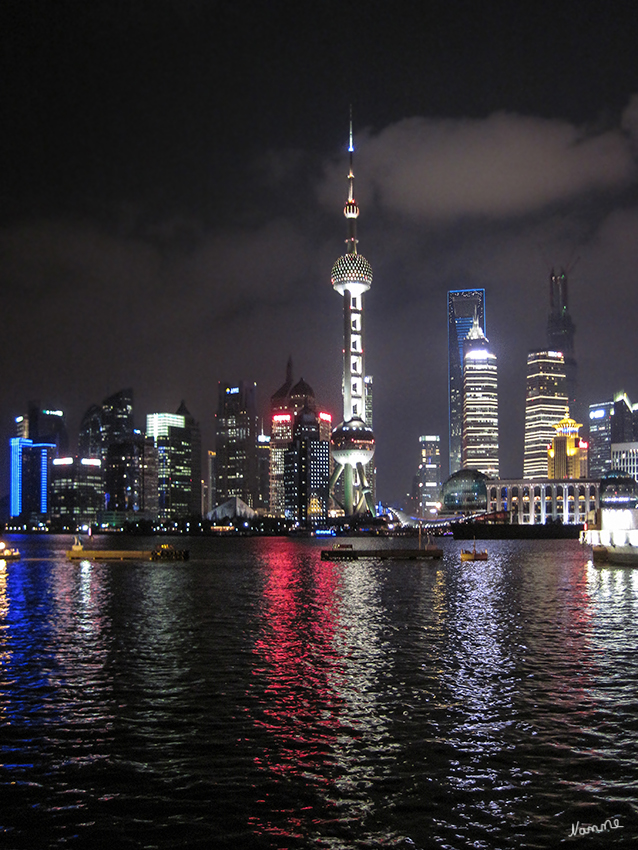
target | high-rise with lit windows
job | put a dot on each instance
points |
(480, 403)
(236, 431)
(177, 439)
(428, 478)
(462, 306)
(546, 403)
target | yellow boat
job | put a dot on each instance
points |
(473, 555)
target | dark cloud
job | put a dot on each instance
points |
(173, 180)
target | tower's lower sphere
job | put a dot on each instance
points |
(352, 443)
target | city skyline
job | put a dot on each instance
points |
(171, 173)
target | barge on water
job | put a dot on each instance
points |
(163, 552)
(346, 552)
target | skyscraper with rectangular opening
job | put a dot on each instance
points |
(462, 306)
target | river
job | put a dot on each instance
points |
(257, 696)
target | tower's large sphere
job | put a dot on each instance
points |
(352, 443)
(353, 272)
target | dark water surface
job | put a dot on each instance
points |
(257, 696)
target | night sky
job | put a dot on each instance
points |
(173, 174)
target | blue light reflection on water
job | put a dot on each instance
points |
(260, 696)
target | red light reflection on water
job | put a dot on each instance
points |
(298, 715)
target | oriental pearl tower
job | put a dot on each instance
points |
(352, 440)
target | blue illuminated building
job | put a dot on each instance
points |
(29, 478)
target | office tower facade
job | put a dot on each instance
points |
(75, 491)
(462, 306)
(610, 422)
(560, 335)
(176, 437)
(624, 456)
(211, 477)
(236, 429)
(567, 454)
(131, 483)
(480, 403)
(263, 472)
(429, 480)
(41, 435)
(600, 419)
(117, 419)
(307, 473)
(29, 479)
(90, 433)
(352, 440)
(546, 403)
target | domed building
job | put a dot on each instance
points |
(466, 490)
(618, 490)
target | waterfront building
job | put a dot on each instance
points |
(428, 478)
(307, 472)
(546, 404)
(480, 403)
(462, 306)
(353, 439)
(236, 429)
(567, 454)
(534, 501)
(75, 491)
(176, 437)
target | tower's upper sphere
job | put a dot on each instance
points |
(353, 272)
(352, 443)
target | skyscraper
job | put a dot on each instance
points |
(40, 436)
(130, 478)
(560, 335)
(429, 474)
(285, 403)
(236, 430)
(480, 403)
(462, 306)
(353, 440)
(177, 439)
(546, 404)
(307, 472)
(610, 422)
(117, 418)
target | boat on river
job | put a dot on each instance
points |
(163, 552)
(8, 553)
(473, 555)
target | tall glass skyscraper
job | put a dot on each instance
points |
(462, 306)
